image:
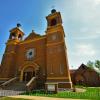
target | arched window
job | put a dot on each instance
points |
(53, 22)
(13, 35)
(20, 37)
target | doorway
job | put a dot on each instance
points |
(28, 74)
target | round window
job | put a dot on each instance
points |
(30, 54)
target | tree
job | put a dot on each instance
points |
(97, 64)
(90, 64)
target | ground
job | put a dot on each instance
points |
(9, 98)
(88, 93)
(40, 98)
(81, 93)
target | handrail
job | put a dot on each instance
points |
(32, 79)
(31, 83)
(9, 81)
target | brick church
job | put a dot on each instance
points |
(37, 59)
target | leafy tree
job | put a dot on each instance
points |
(94, 65)
(97, 64)
(90, 64)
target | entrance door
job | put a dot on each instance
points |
(28, 75)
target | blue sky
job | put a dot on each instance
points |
(81, 21)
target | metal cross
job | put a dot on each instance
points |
(53, 7)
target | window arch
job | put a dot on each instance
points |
(53, 22)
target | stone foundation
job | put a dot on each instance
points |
(67, 85)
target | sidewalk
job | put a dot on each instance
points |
(41, 98)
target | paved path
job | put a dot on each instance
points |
(41, 98)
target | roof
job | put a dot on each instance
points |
(84, 67)
(17, 28)
(72, 71)
(33, 35)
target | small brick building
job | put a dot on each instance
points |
(85, 76)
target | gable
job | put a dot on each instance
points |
(83, 68)
(32, 36)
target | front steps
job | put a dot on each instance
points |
(14, 88)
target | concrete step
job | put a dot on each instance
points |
(17, 86)
(1, 82)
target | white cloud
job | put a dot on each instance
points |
(97, 2)
(85, 50)
(81, 19)
(81, 53)
(86, 36)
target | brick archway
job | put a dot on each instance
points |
(28, 73)
(28, 68)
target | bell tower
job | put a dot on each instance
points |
(9, 56)
(16, 33)
(54, 18)
(57, 60)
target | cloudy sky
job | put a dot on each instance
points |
(81, 21)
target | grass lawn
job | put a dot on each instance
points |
(90, 93)
(7, 98)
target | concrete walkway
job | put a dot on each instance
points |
(40, 98)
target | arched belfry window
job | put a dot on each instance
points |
(53, 22)
(20, 37)
(13, 36)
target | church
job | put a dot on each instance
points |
(39, 61)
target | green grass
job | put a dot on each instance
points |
(8, 98)
(90, 93)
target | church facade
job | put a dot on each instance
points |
(43, 57)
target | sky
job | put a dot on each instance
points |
(81, 22)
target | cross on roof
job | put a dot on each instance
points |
(53, 7)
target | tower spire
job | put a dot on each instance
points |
(53, 9)
(18, 25)
(53, 6)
